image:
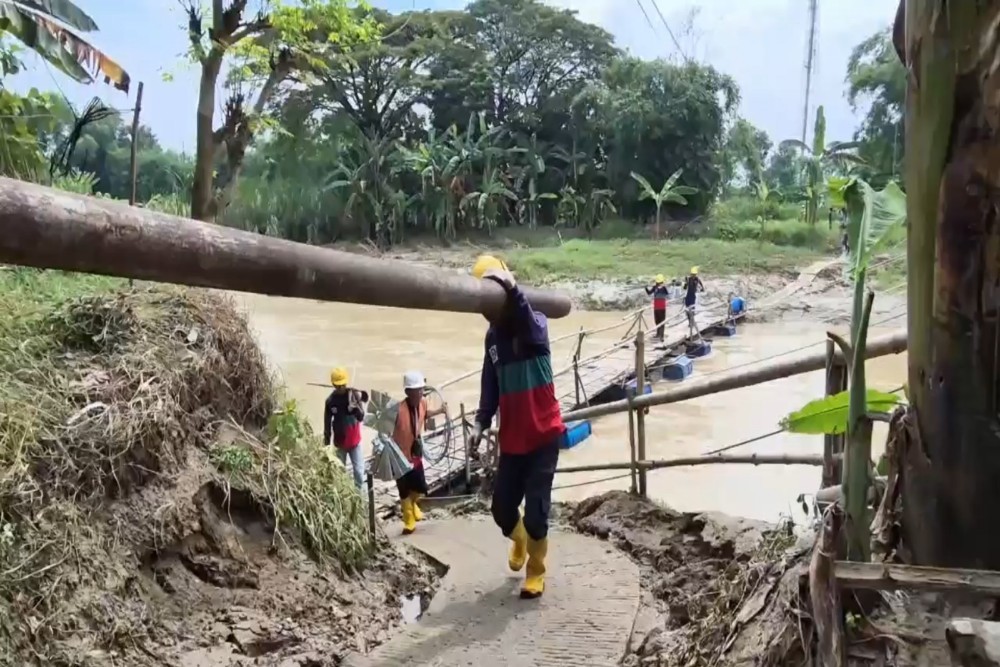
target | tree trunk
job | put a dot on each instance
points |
(952, 468)
(205, 143)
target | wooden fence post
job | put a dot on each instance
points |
(640, 414)
(836, 382)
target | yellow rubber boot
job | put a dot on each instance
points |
(409, 521)
(417, 514)
(534, 582)
(519, 547)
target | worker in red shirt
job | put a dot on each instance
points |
(517, 381)
(660, 294)
(343, 415)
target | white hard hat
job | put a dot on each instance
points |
(413, 380)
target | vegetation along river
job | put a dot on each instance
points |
(305, 339)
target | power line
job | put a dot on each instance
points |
(643, 10)
(670, 32)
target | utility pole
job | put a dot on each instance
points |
(810, 62)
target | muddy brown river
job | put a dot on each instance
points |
(305, 339)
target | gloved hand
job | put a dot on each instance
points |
(505, 278)
(474, 439)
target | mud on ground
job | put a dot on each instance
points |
(136, 530)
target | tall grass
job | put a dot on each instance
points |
(625, 259)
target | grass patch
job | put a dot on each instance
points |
(620, 259)
(108, 394)
(286, 468)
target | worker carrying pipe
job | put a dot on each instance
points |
(517, 380)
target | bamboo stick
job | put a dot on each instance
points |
(656, 464)
(890, 577)
(46, 228)
(632, 454)
(640, 416)
(764, 371)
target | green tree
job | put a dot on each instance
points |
(520, 62)
(820, 158)
(264, 49)
(876, 82)
(745, 152)
(670, 193)
(378, 83)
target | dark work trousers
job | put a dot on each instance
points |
(526, 477)
(412, 482)
(659, 316)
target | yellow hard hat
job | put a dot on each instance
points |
(694, 270)
(659, 278)
(339, 377)
(487, 263)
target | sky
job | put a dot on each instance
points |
(760, 43)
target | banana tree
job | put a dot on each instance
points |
(766, 197)
(483, 205)
(530, 207)
(818, 159)
(367, 170)
(599, 206)
(47, 27)
(670, 193)
(568, 210)
(528, 174)
(872, 216)
(430, 160)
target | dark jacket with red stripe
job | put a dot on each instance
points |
(343, 419)
(660, 294)
(517, 379)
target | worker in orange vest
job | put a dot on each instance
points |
(408, 434)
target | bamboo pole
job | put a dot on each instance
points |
(46, 228)
(657, 464)
(764, 371)
(465, 444)
(836, 382)
(133, 161)
(633, 458)
(640, 416)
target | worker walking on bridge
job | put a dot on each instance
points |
(342, 417)
(692, 285)
(660, 293)
(408, 433)
(517, 380)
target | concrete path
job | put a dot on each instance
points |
(476, 619)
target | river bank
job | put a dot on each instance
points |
(605, 276)
(160, 504)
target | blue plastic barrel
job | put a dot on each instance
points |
(678, 368)
(700, 348)
(576, 432)
(724, 330)
(737, 305)
(630, 388)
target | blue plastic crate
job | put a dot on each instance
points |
(576, 432)
(678, 368)
(700, 348)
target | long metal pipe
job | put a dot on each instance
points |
(764, 371)
(47, 228)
